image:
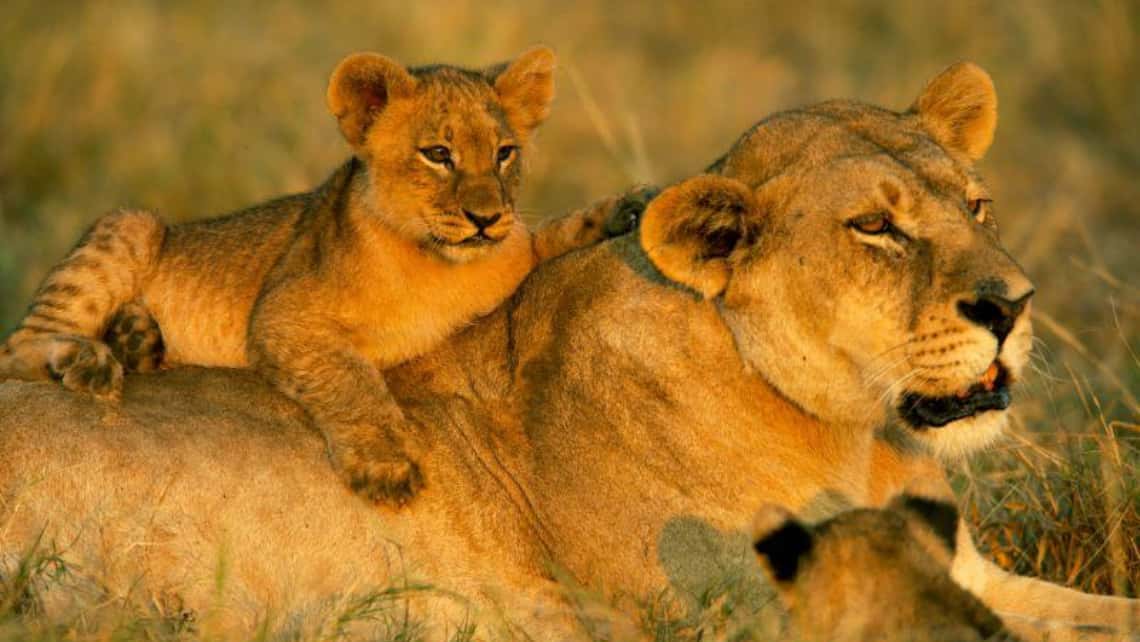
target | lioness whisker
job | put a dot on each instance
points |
(898, 383)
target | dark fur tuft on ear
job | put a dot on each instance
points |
(691, 230)
(784, 549)
(362, 86)
(940, 516)
(780, 542)
(959, 108)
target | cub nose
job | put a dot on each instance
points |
(482, 222)
(994, 312)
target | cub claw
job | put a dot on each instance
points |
(390, 482)
(78, 363)
(627, 211)
(88, 366)
(135, 339)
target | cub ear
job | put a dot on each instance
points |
(361, 87)
(781, 542)
(959, 108)
(932, 507)
(691, 230)
(526, 88)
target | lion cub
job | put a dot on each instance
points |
(413, 237)
(870, 574)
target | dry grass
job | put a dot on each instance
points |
(200, 108)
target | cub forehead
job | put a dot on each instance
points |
(450, 93)
(452, 116)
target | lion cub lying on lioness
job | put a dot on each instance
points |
(872, 575)
(412, 238)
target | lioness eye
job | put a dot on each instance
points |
(438, 154)
(979, 207)
(877, 223)
(505, 153)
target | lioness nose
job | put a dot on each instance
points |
(994, 312)
(482, 222)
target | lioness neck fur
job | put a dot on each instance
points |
(411, 239)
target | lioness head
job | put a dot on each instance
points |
(853, 251)
(443, 144)
(872, 574)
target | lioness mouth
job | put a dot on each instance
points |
(990, 393)
(477, 239)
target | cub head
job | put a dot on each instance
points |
(871, 574)
(860, 269)
(443, 145)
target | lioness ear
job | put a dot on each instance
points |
(361, 87)
(691, 230)
(959, 108)
(526, 88)
(781, 542)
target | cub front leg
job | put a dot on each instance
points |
(367, 435)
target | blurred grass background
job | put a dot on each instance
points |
(199, 108)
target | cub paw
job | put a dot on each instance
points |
(382, 476)
(135, 339)
(627, 211)
(84, 365)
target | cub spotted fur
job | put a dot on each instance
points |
(413, 237)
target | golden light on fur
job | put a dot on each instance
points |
(598, 399)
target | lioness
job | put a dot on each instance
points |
(872, 574)
(619, 419)
(413, 237)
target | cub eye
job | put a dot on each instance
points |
(873, 224)
(505, 153)
(979, 207)
(439, 155)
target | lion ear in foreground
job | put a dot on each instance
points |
(693, 231)
(361, 87)
(782, 544)
(526, 88)
(959, 108)
(931, 509)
